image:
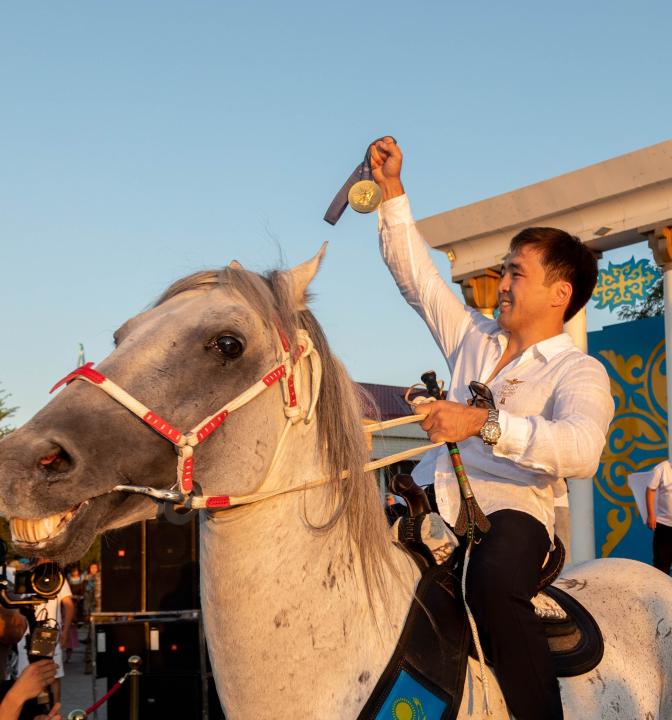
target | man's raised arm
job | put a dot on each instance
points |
(406, 254)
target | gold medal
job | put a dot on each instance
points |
(364, 196)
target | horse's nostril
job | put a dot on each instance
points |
(57, 461)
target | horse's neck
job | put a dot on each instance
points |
(287, 617)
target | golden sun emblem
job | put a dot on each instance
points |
(405, 709)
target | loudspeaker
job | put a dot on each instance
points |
(150, 566)
(173, 647)
(172, 565)
(122, 566)
(171, 683)
(166, 646)
(115, 643)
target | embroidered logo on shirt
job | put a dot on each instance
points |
(509, 389)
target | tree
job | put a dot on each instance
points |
(652, 306)
(5, 412)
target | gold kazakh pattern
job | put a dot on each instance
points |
(637, 436)
(624, 284)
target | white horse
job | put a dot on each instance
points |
(304, 596)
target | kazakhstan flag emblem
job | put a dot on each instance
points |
(410, 699)
(405, 709)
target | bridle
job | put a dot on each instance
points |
(185, 492)
(287, 371)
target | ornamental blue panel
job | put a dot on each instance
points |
(624, 283)
(634, 355)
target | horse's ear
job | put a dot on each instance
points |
(236, 265)
(302, 275)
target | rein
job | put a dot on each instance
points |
(289, 365)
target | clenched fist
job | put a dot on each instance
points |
(386, 159)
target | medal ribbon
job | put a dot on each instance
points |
(340, 201)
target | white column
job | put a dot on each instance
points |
(667, 294)
(581, 490)
(660, 242)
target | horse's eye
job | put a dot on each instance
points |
(229, 346)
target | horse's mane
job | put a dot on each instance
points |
(355, 501)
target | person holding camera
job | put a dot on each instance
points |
(32, 681)
(61, 611)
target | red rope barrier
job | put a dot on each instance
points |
(105, 697)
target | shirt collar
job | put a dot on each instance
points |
(547, 349)
(553, 346)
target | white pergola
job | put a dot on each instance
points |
(618, 202)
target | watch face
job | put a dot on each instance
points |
(490, 432)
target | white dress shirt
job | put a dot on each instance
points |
(662, 482)
(554, 401)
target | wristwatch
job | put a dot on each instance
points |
(491, 431)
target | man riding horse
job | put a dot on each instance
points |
(554, 408)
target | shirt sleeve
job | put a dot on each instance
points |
(406, 255)
(658, 476)
(569, 444)
(65, 591)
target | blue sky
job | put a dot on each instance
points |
(140, 141)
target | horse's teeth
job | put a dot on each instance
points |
(34, 530)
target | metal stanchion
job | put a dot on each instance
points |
(134, 680)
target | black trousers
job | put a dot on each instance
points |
(662, 548)
(501, 579)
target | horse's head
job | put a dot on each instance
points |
(210, 336)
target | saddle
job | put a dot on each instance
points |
(425, 676)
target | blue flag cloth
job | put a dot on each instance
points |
(411, 700)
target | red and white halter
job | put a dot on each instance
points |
(287, 371)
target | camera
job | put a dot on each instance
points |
(42, 582)
(29, 587)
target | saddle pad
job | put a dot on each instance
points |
(579, 647)
(573, 635)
